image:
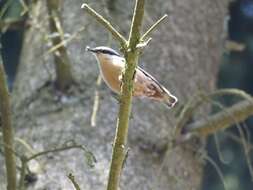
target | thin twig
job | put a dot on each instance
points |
(24, 160)
(64, 42)
(22, 173)
(216, 167)
(73, 181)
(24, 6)
(232, 92)
(55, 150)
(58, 25)
(106, 24)
(22, 142)
(154, 26)
(218, 148)
(96, 102)
(186, 114)
(238, 140)
(143, 44)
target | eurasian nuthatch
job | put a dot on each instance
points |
(111, 65)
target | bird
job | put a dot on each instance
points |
(111, 65)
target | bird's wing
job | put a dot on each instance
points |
(146, 85)
(150, 77)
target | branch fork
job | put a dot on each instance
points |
(131, 49)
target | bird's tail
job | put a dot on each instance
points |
(169, 99)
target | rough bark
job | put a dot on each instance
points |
(184, 55)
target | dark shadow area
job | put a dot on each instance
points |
(11, 48)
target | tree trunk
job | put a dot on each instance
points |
(183, 54)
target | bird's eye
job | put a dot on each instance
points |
(104, 52)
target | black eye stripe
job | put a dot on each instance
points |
(109, 52)
(105, 50)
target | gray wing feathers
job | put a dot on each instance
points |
(146, 85)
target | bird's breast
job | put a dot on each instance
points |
(111, 74)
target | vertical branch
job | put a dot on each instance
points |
(62, 63)
(131, 56)
(135, 31)
(5, 110)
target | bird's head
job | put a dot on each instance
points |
(103, 52)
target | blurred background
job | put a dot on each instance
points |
(236, 71)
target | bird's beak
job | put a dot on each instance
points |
(90, 49)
